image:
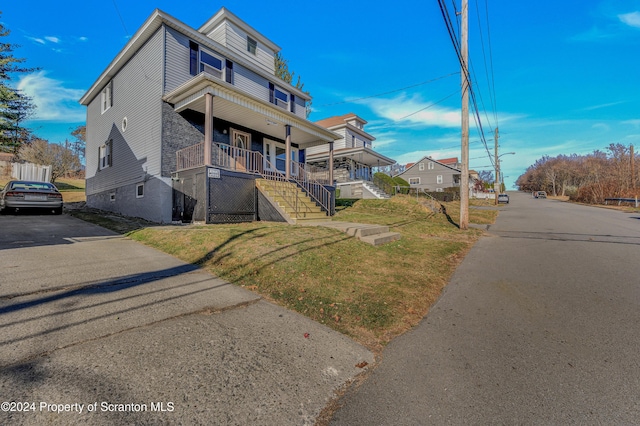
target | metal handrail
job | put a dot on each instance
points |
(313, 188)
(239, 159)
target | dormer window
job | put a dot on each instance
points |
(252, 45)
(106, 97)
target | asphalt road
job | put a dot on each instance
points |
(539, 325)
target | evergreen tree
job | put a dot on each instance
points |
(15, 107)
(282, 71)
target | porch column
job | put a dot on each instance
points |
(331, 163)
(208, 128)
(287, 162)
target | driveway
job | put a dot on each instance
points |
(537, 326)
(98, 329)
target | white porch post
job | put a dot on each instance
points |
(287, 163)
(331, 163)
(208, 128)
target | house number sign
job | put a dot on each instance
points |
(213, 173)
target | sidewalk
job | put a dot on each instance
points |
(155, 342)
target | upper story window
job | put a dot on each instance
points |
(252, 45)
(204, 61)
(278, 97)
(421, 166)
(106, 97)
(439, 179)
(431, 165)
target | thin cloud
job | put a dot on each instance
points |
(594, 107)
(54, 102)
(52, 39)
(403, 109)
(37, 40)
(631, 19)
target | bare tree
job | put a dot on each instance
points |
(61, 159)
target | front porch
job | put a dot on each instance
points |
(230, 184)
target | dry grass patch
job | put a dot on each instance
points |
(369, 293)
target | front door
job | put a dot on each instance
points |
(241, 141)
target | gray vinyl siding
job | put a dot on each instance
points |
(177, 60)
(250, 82)
(234, 38)
(136, 154)
(429, 178)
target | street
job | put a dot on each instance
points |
(537, 326)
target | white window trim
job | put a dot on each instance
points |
(414, 183)
(106, 97)
(138, 186)
(104, 155)
(439, 179)
(420, 166)
(269, 150)
(431, 165)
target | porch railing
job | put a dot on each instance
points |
(243, 160)
(190, 157)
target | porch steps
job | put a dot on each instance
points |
(371, 234)
(278, 192)
(372, 188)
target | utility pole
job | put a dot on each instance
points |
(466, 81)
(633, 174)
(496, 188)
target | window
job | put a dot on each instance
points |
(414, 181)
(140, 190)
(281, 98)
(439, 179)
(421, 166)
(430, 165)
(252, 45)
(439, 190)
(204, 61)
(104, 155)
(210, 64)
(106, 97)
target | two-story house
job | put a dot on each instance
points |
(193, 124)
(354, 159)
(432, 175)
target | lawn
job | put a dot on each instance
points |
(371, 294)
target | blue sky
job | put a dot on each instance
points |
(554, 77)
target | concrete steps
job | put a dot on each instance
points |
(371, 234)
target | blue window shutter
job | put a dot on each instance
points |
(193, 58)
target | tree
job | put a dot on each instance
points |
(15, 107)
(78, 145)
(282, 71)
(61, 159)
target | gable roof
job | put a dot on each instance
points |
(412, 165)
(155, 21)
(340, 121)
(453, 160)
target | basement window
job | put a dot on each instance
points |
(140, 190)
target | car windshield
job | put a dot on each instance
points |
(32, 186)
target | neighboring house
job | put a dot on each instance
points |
(354, 159)
(432, 175)
(184, 123)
